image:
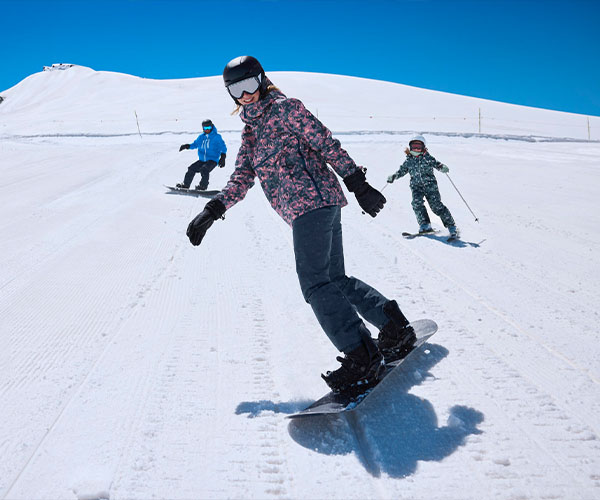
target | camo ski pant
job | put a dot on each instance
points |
(432, 194)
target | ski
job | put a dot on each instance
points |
(410, 236)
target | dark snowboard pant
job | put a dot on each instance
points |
(204, 168)
(432, 194)
(335, 298)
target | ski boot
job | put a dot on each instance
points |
(397, 337)
(426, 228)
(362, 368)
(453, 232)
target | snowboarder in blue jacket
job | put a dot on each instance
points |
(211, 152)
(420, 164)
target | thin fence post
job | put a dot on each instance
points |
(589, 133)
(138, 123)
(480, 120)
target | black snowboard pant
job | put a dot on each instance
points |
(204, 168)
(336, 299)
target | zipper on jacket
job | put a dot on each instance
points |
(310, 175)
(206, 146)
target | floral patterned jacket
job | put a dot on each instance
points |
(288, 149)
(420, 169)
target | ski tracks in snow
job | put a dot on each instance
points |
(192, 439)
(548, 414)
(170, 377)
(64, 373)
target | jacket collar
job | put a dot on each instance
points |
(251, 113)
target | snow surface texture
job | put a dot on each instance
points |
(135, 366)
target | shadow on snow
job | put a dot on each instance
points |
(255, 408)
(391, 432)
(455, 243)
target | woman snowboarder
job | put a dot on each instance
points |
(420, 164)
(288, 149)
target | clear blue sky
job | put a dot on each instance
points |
(542, 53)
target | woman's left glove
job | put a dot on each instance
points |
(369, 199)
(196, 230)
(444, 169)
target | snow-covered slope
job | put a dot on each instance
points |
(134, 366)
(82, 101)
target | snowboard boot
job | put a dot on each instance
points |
(201, 187)
(181, 185)
(397, 337)
(362, 368)
(425, 228)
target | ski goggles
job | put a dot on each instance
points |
(248, 85)
(208, 128)
(416, 146)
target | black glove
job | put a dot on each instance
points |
(213, 210)
(184, 146)
(222, 160)
(369, 199)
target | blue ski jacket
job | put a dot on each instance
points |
(209, 146)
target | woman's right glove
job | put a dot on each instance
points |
(196, 230)
(391, 178)
(369, 199)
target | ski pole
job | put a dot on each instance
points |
(463, 199)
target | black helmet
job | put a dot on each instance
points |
(242, 68)
(207, 123)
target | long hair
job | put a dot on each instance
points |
(238, 106)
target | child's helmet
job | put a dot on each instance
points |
(416, 138)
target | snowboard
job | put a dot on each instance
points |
(336, 403)
(194, 192)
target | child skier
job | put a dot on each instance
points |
(420, 164)
(211, 149)
(288, 149)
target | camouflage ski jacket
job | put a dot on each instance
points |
(288, 149)
(420, 169)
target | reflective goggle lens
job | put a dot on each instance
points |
(416, 146)
(249, 85)
(207, 128)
